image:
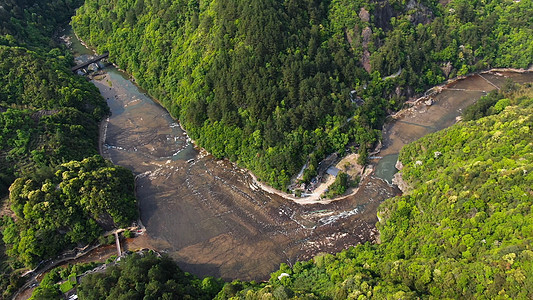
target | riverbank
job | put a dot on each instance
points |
(95, 253)
(416, 103)
(208, 214)
(433, 91)
(316, 197)
(447, 100)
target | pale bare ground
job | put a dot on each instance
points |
(348, 164)
(102, 127)
(435, 90)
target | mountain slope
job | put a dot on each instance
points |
(269, 83)
(48, 118)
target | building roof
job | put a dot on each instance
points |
(333, 171)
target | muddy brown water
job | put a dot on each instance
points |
(211, 217)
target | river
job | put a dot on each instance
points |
(211, 217)
(419, 120)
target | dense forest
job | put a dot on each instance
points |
(147, 276)
(142, 275)
(462, 231)
(48, 116)
(69, 208)
(62, 195)
(275, 84)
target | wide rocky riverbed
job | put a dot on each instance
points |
(210, 215)
(213, 219)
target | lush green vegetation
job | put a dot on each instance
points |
(146, 276)
(31, 23)
(68, 208)
(47, 115)
(464, 231)
(48, 118)
(339, 186)
(59, 280)
(267, 83)
(488, 105)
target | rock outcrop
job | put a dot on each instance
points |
(398, 180)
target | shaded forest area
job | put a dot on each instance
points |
(275, 84)
(141, 275)
(48, 116)
(153, 278)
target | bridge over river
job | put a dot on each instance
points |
(90, 61)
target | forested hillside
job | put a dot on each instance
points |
(48, 136)
(464, 231)
(269, 83)
(66, 209)
(32, 23)
(152, 276)
(48, 116)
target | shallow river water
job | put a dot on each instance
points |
(211, 217)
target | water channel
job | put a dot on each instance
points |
(210, 215)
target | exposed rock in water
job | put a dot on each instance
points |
(398, 165)
(400, 183)
(397, 178)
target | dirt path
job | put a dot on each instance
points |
(316, 196)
